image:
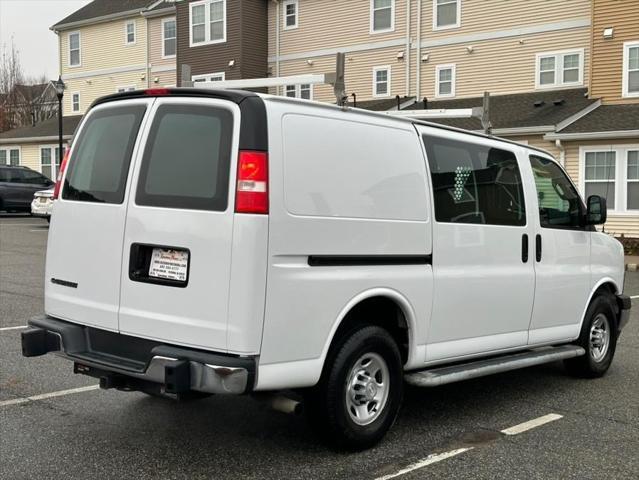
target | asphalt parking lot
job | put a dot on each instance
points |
(89, 433)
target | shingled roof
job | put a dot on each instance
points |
(103, 8)
(42, 130)
(607, 118)
(519, 110)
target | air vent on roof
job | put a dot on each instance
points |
(559, 101)
(539, 103)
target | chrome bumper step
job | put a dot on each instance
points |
(456, 373)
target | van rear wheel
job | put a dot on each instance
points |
(599, 339)
(359, 395)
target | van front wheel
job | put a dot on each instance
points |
(359, 395)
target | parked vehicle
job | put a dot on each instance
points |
(42, 204)
(17, 186)
(229, 242)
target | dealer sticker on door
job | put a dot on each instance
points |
(169, 264)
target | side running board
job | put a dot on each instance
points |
(442, 375)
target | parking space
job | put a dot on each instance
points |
(110, 434)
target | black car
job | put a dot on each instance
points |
(17, 186)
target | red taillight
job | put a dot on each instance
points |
(251, 195)
(157, 91)
(63, 167)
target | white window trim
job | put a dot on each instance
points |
(453, 67)
(559, 69)
(165, 20)
(54, 167)
(298, 91)
(8, 150)
(126, 33)
(621, 174)
(69, 49)
(297, 14)
(375, 70)
(124, 87)
(626, 70)
(372, 19)
(207, 76)
(79, 102)
(207, 21)
(457, 24)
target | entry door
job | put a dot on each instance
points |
(178, 235)
(483, 275)
(562, 255)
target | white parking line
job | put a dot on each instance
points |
(635, 296)
(438, 457)
(43, 396)
(429, 460)
(16, 224)
(522, 427)
(4, 329)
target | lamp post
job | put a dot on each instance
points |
(59, 91)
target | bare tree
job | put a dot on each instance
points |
(23, 100)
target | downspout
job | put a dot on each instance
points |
(562, 152)
(407, 74)
(277, 43)
(418, 52)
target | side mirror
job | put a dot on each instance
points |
(596, 213)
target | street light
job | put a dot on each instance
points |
(59, 91)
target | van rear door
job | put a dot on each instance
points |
(84, 252)
(178, 237)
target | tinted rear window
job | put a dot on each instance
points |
(187, 157)
(102, 154)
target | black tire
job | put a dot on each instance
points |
(326, 405)
(593, 364)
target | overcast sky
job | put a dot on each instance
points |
(28, 22)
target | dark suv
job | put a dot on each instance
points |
(17, 186)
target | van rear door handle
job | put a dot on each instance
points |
(524, 248)
(538, 247)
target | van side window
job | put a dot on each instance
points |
(100, 163)
(187, 159)
(559, 203)
(475, 183)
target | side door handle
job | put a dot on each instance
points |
(538, 247)
(524, 248)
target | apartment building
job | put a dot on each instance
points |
(105, 47)
(115, 45)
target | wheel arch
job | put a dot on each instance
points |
(604, 284)
(351, 315)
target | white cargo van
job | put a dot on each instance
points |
(226, 242)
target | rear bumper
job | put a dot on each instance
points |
(132, 363)
(624, 303)
(41, 209)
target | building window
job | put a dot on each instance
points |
(632, 180)
(169, 38)
(559, 69)
(613, 173)
(129, 33)
(126, 88)
(381, 81)
(446, 14)
(209, 77)
(75, 102)
(631, 69)
(304, 91)
(47, 167)
(207, 22)
(10, 156)
(445, 81)
(382, 16)
(74, 49)
(290, 12)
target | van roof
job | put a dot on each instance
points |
(239, 96)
